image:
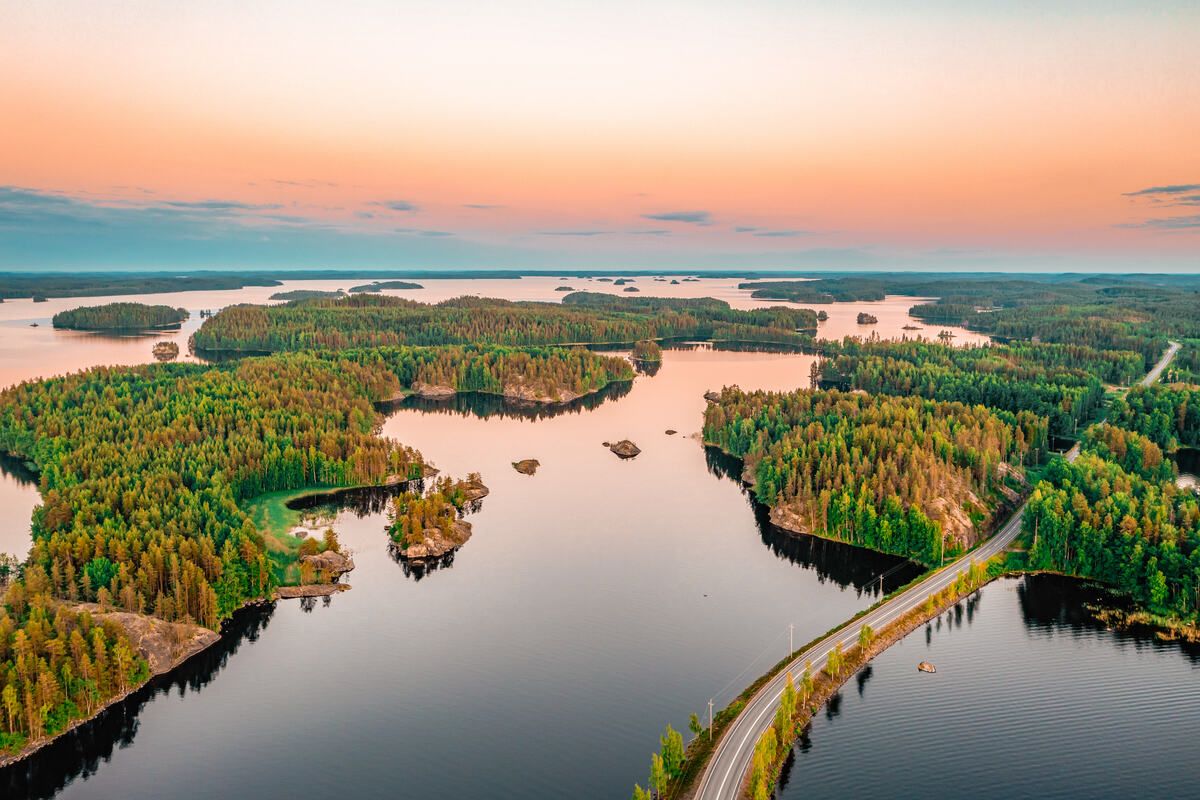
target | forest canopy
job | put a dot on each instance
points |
(119, 316)
(905, 475)
(370, 320)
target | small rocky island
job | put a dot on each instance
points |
(867, 319)
(165, 351)
(625, 448)
(429, 526)
(527, 466)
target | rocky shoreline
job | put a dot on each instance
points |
(167, 645)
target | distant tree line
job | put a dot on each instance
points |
(368, 320)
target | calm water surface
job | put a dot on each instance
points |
(597, 601)
(1030, 699)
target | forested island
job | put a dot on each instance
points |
(369, 320)
(908, 476)
(119, 317)
(647, 352)
(305, 294)
(379, 286)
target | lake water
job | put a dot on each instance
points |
(597, 601)
(1031, 699)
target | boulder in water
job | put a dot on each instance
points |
(925, 666)
(625, 448)
(526, 466)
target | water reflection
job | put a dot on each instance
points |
(486, 406)
(79, 753)
(1052, 603)
(16, 469)
(867, 571)
(369, 501)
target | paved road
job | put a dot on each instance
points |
(727, 767)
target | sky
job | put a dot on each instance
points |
(899, 135)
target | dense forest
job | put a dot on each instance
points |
(56, 664)
(545, 371)
(1170, 417)
(369, 320)
(903, 475)
(119, 316)
(1133, 530)
(1063, 383)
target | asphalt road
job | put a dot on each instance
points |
(728, 764)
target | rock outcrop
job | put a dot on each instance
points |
(475, 490)
(163, 644)
(429, 391)
(437, 544)
(526, 466)
(712, 396)
(625, 448)
(925, 666)
(527, 394)
(333, 563)
(310, 590)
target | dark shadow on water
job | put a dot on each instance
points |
(862, 677)
(647, 368)
(17, 469)
(361, 500)
(486, 406)
(366, 501)
(843, 564)
(1187, 459)
(1056, 602)
(78, 755)
(418, 568)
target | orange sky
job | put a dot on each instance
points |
(767, 134)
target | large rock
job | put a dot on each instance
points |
(430, 391)
(437, 544)
(522, 393)
(475, 490)
(526, 466)
(333, 563)
(163, 644)
(625, 448)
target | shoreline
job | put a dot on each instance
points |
(8, 760)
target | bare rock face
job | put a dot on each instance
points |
(437, 544)
(712, 396)
(526, 466)
(527, 394)
(163, 644)
(310, 590)
(334, 563)
(475, 490)
(625, 448)
(428, 391)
